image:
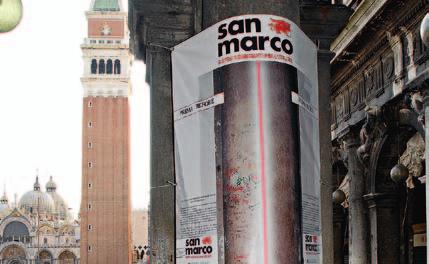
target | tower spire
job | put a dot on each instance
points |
(4, 199)
(51, 186)
(37, 184)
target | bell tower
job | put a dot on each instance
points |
(106, 208)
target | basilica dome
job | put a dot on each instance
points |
(60, 205)
(37, 201)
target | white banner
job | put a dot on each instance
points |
(199, 218)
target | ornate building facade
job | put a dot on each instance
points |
(379, 97)
(105, 207)
(38, 229)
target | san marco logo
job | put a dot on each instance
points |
(246, 35)
(197, 246)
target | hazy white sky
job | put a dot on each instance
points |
(41, 104)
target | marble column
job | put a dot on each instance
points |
(358, 229)
(338, 223)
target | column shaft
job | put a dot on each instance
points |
(324, 71)
(338, 241)
(162, 208)
(260, 146)
(426, 118)
(357, 221)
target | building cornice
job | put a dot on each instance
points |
(365, 12)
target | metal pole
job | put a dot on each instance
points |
(260, 154)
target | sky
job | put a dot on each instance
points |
(41, 104)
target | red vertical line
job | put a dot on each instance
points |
(262, 157)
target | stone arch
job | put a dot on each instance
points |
(385, 153)
(45, 257)
(12, 218)
(109, 66)
(102, 66)
(94, 66)
(47, 229)
(16, 231)
(67, 257)
(385, 198)
(117, 66)
(13, 254)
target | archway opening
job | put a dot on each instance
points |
(67, 257)
(13, 254)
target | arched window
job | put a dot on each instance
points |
(109, 66)
(15, 229)
(67, 257)
(117, 67)
(94, 66)
(102, 67)
(45, 257)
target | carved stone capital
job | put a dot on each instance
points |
(338, 154)
(349, 140)
(371, 129)
(411, 111)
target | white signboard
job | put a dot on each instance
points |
(238, 39)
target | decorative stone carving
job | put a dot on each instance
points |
(388, 68)
(369, 131)
(414, 155)
(339, 106)
(354, 95)
(337, 154)
(345, 187)
(368, 81)
(417, 104)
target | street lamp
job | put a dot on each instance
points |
(10, 14)
(399, 173)
(338, 197)
(424, 30)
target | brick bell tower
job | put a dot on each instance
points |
(105, 208)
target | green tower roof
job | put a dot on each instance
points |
(106, 5)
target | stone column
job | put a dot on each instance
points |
(384, 227)
(338, 238)
(426, 126)
(156, 27)
(260, 142)
(162, 207)
(358, 229)
(322, 21)
(324, 70)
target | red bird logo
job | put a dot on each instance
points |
(207, 240)
(280, 26)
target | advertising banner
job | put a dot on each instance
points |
(245, 100)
